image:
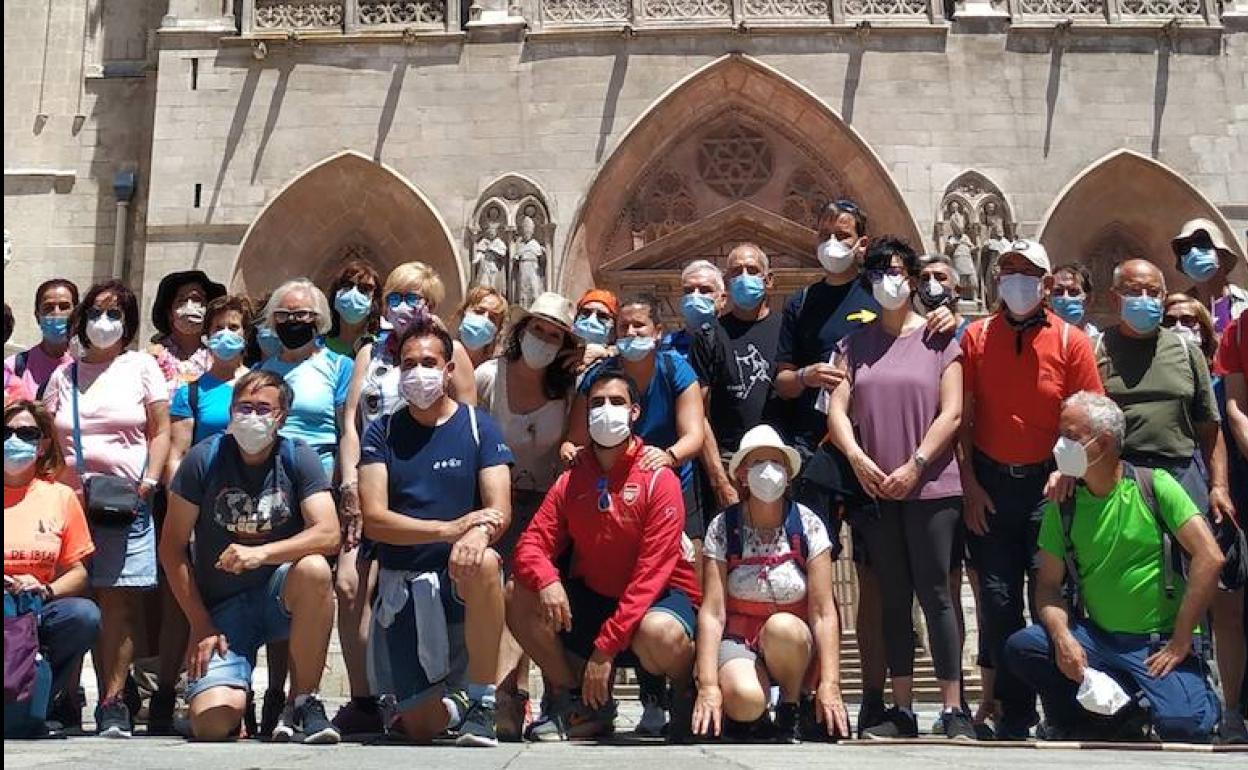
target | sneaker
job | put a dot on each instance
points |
(358, 716)
(809, 728)
(131, 696)
(758, 731)
(160, 712)
(458, 697)
(956, 725)
(786, 723)
(511, 709)
(898, 723)
(112, 719)
(1007, 732)
(66, 710)
(270, 712)
(871, 713)
(250, 727)
(312, 722)
(680, 727)
(653, 717)
(984, 732)
(570, 718)
(1232, 728)
(478, 727)
(284, 728)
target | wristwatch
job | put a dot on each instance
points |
(920, 461)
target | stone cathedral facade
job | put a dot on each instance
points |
(536, 144)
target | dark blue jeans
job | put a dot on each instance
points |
(67, 629)
(1182, 706)
(1005, 557)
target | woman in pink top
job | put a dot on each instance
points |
(894, 416)
(122, 402)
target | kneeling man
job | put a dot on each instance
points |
(601, 578)
(1140, 615)
(263, 521)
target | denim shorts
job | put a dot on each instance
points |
(255, 617)
(394, 653)
(125, 557)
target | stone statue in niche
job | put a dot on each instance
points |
(976, 228)
(489, 255)
(960, 245)
(992, 220)
(529, 262)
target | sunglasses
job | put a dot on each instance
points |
(28, 433)
(411, 299)
(261, 410)
(877, 276)
(298, 316)
(1067, 291)
(604, 497)
(113, 312)
(844, 204)
(602, 316)
(362, 288)
(1190, 321)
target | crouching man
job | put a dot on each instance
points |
(435, 491)
(263, 522)
(601, 578)
(1140, 615)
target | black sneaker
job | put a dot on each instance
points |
(758, 731)
(131, 696)
(270, 712)
(66, 710)
(310, 720)
(871, 713)
(160, 712)
(1232, 728)
(956, 724)
(680, 727)
(898, 723)
(786, 723)
(112, 719)
(567, 717)
(478, 727)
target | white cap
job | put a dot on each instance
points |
(1034, 252)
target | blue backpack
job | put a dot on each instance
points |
(794, 533)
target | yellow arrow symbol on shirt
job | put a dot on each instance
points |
(864, 315)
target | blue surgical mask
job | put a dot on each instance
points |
(18, 454)
(54, 328)
(1200, 264)
(590, 329)
(747, 291)
(1143, 314)
(267, 339)
(476, 331)
(635, 348)
(698, 310)
(1069, 309)
(226, 345)
(353, 305)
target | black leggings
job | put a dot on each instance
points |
(910, 543)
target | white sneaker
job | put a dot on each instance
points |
(284, 730)
(653, 720)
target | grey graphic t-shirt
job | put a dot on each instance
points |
(248, 505)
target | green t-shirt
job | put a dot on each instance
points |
(1118, 551)
(1163, 387)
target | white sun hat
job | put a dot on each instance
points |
(764, 437)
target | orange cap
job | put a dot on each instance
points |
(600, 295)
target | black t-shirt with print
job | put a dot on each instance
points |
(735, 361)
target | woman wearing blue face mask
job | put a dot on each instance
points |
(481, 317)
(1201, 252)
(1071, 296)
(355, 307)
(55, 300)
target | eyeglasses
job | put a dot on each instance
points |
(28, 433)
(298, 316)
(362, 288)
(1190, 321)
(1067, 291)
(411, 299)
(604, 497)
(1140, 291)
(113, 312)
(261, 410)
(602, 315)
(877, 276)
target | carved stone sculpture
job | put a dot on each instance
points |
(529, 262)
(960, 244)
(975, 229)
(489, 256)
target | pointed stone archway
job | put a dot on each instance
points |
(1126, 205)
(346, 205)
(737, 151)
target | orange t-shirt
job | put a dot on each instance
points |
(45, 530)
(1018, 396)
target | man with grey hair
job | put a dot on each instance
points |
(702, 298)
(1138, 616)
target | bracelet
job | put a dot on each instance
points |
(148, 481)
(672, 455)
(801, 377)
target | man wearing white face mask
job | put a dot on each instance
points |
(1018, 364)
(435, 490)
(1139, 614)
(601, 577)
(263, 521)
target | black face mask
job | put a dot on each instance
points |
(295, 334)
(932, 301)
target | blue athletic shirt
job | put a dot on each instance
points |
(212, 416)
(432, 474)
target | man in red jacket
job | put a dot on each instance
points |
(601, 578)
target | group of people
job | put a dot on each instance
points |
(585, 487)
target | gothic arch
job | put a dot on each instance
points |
(730, 100)
(1126, 201)
(340, 202)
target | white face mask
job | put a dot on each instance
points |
(767, 481)
(892, 292)
(422, 386)
(537, 352)
(104, 332)
(253, 432)
(834, 256)
(1192, 336)
(1072, 457)
(610, 425)
(1021, 293)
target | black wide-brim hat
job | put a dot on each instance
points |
(168, 289)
